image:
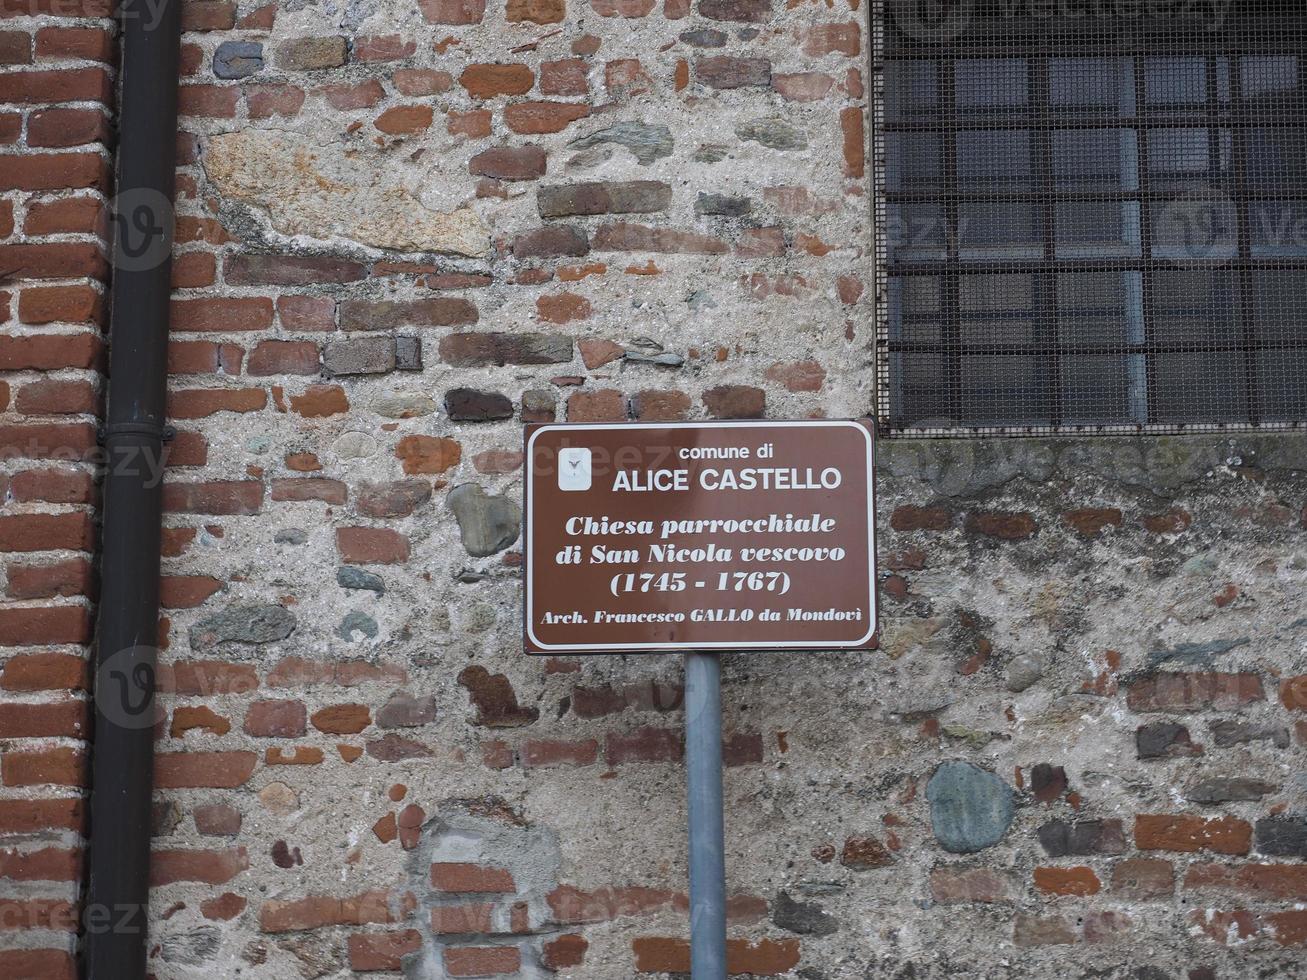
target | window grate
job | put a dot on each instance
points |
(1090, 216)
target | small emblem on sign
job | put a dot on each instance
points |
(574, 469)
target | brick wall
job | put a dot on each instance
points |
(405, 229)
(56, 101)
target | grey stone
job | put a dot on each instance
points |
(356, 445)
(402, 710)
(408, 353)
(1203, 564)
(1212, 791)
(357, 622)
(193, 947)
(312, 53)
(329, 190)
(1282, 836)
(704, 38)
(970, 809)
(723, 205)
(1164, 740)
(486, 523)
(470, 405)
(353, 577)
(664, 359)
(803, 918)
(1082, 838)
(291, 535)
(403, 406)
(538, 405)
(648, 143)
(1194, 654)
(363, 355)
(251, 623)
(481, 617)
(740, 11)
(1228, 733)
(710, 153)
(772, 132)
(1022, 671)
(603, 197)
(237, 59)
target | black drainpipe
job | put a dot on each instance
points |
(116, 913)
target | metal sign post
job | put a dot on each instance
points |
(703, 765)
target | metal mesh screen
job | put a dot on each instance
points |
(1091, 214)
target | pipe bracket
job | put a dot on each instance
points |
(164, 433)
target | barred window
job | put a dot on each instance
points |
(1091, 215)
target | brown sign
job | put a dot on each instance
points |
(700, 536)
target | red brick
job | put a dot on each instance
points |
(405, 120)
(46, 864)
(854, 142)
(802, 86)
(189, 718)
(798, 375)
(52, 486)
(361, 95)
(540, 753)
(207, 677)
(38, 964)
(275, 719)
(605, 405)
(824, 39)
(73, 577)
(530, 118)
(55, 767)
(81, 43)
(1143, 878)
(41, 816)
(186, 591)
(471, 878)
(224, 908)
(208, 15)
(964, 886)
(1272, 882)
(509, 163)
(59, 719)
(382, 951)
(488, 81)
(566, 951)
(735, 402)
(761, 958)
(44, 672)
(307, 313)
(47, 532)
(77, 303)
(428, 454)
(1002, 525)
(290, 270)
(309, 488)
(1089, 521)
(1067, 881)
(208, 101)
(198, 403)
(283, 357)
(67, 127)
(40, 913)
(371, 546)
(220, 497)
(422, 81)
(565, 77)
(482, 961)
(221, 315)
(342, 719)
(61, 260)
(207, 770)
(1187, 833)
(191, 270)
(1185, 692)
(474, 125)
(266, 101)
(211, 867)
(384, 47)
(15, 48)
(84, 215)
(643, 745)
(320, 401)
(43, 87)
(453, 11)
(50, 397)
(454, 920)
(316, 911)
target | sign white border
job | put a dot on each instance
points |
(653, 647)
